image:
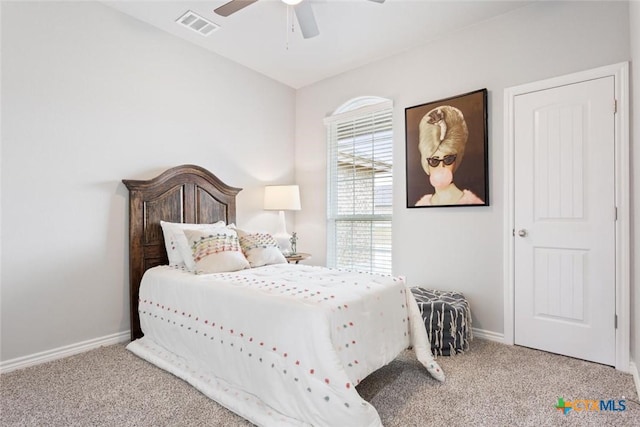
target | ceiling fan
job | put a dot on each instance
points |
(302, 9)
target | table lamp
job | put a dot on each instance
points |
(282, 198)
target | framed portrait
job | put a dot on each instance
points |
(446, 149)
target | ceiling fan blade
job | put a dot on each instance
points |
(306, 20)
(378, 1)
(233, 6)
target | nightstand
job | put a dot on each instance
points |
(297, 257)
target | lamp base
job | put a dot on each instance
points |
(281, 236)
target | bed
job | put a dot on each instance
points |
(280, 344)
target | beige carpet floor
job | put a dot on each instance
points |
(490, 385)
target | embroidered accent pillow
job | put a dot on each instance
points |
(215, 251)
(175, 241)
(260, 248)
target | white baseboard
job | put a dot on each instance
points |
(633, 369)
(61, 352)
(488, 335)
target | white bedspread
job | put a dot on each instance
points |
(282, 344)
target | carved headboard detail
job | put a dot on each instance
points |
(187, 194)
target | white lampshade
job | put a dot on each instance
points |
(282, 198)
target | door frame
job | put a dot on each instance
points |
(620, 72)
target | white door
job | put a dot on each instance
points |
(564, 198)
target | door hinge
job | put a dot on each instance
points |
(615, 322)
(615, 213)
(615, 106)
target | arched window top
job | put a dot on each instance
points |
(359, 102)
(357, 106)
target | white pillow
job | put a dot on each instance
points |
(260, 248)
(216, 250)
(175, 241)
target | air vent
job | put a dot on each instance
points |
(197, 23)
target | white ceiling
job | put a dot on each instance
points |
(352, 32)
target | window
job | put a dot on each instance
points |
(360, 160)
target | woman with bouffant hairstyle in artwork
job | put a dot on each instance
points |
(443, 137)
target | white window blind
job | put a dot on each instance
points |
(360, 178)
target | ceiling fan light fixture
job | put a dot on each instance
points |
(291, 2)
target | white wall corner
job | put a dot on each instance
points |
(62, 352)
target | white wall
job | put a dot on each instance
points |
(92, 96)
(456, 248)
(634, 25)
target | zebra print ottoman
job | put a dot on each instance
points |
(447, 317)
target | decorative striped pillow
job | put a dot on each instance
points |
(260, 248)
(176, 243)
(216, 251)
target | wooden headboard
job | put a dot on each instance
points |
(186, 193)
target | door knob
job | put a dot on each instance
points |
(522, 233)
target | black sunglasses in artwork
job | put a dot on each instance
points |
(447, 160)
